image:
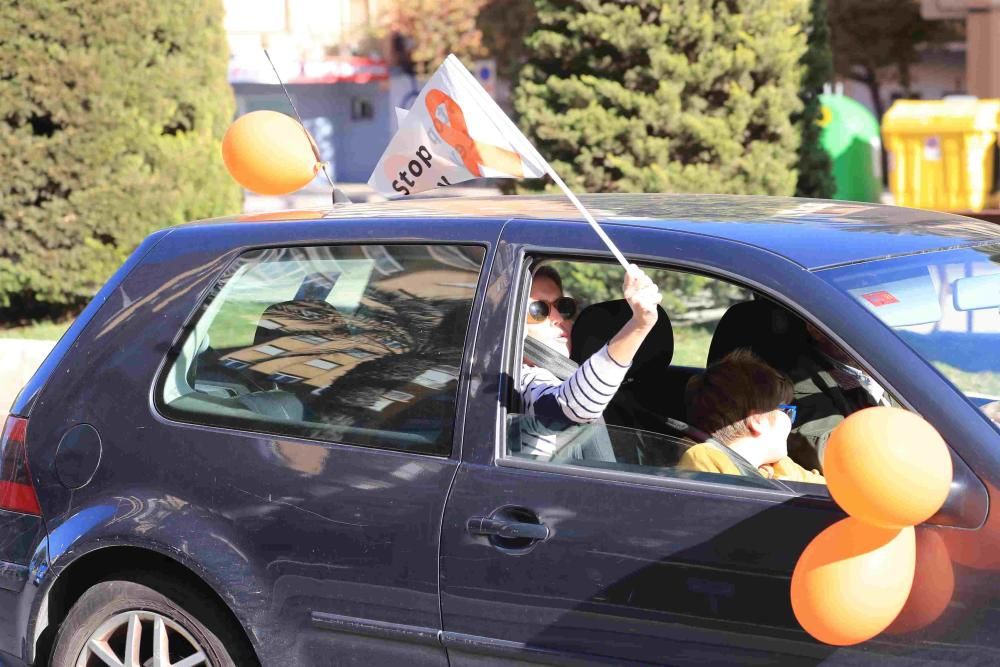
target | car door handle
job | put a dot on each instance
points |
(506, 529)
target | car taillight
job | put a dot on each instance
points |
(17, 493)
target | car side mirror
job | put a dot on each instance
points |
(967, 501)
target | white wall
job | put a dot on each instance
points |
(18, 361)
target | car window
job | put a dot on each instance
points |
(694, 303)
(601, 446)
(354, 344)
(705, 322)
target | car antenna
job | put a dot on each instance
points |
(338, 195)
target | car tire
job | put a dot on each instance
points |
(158, 605)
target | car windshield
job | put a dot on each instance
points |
(946, 306)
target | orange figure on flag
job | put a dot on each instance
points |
(456, 133)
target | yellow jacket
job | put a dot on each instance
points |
(706, 458)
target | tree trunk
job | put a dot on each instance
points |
(867, 76)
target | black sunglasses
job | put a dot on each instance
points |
(539, 310)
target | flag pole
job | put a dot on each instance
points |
(590, 219)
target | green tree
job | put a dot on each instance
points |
(504, 24)
(112, 113)
(591, 282)
(815, 171)
(877, 41)
(666, 95)
(435, 28)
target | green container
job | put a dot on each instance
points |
(851, 137)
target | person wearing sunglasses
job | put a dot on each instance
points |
(744, 405)
(551, 404)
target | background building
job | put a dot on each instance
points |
(982, 39)
(329, 57)
(965, 67)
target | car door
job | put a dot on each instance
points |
(607, 563)
(317, 391)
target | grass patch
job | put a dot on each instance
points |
(236, 324)
(40, 330)
(691, 345)
(971, 382)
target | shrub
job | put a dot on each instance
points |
(112, 114)
(666, 95)
(815, 170)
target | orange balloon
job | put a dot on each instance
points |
(269, 153)
(887, 466)
(852, 580)
(933, 585)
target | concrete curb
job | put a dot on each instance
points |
(18, 361)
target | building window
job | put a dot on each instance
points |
(322, 364)
(362, 109)
(312, 340)
(283, 378)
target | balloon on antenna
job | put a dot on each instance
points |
(269, 153)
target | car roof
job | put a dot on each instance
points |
(811, 232)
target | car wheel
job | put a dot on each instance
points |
(135, 625)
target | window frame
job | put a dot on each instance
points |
(531, 256)
(211, 293)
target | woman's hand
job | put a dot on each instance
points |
(642, 296)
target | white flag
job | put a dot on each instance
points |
(453, 133)
(400, 117)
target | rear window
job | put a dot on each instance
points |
(355, 344)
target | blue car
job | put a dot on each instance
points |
(296, 439)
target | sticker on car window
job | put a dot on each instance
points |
(881, 298)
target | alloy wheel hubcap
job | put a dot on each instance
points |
(142, 639)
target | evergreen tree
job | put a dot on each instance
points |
(815, 171)
(666, 95)
(112, 113)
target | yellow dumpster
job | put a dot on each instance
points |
(941, 152)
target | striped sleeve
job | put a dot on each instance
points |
(579, 399)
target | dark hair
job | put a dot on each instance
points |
(550, 273)
(739, 385)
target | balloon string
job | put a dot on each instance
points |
(325, 173)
